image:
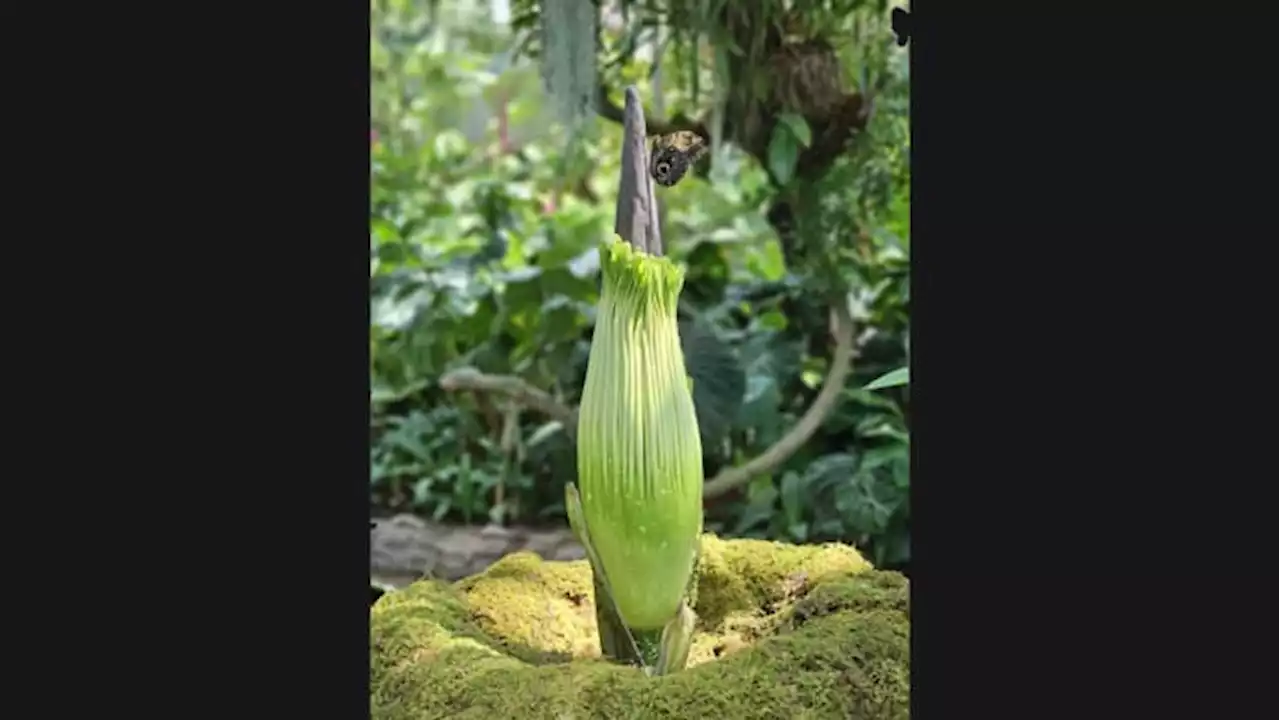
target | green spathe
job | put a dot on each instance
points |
(639, 452)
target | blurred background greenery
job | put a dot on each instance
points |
(485, 214)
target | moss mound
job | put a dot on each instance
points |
(783, 632)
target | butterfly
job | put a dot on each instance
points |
(671, 156)
(900, 20)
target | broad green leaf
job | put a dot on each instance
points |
(792, 500)
(798, 126)
(767, 262)
(784, 149)
(893, 378)
(773, 320)
(719, 382)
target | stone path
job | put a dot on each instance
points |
(405, 547)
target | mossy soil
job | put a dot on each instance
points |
(784, 632)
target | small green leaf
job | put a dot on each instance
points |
(543, 433)
(893, 378)
(798, 126)
(792, 503)
(783, 152)
(773, 320)
(767, 261)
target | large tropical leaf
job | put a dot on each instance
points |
(719, 382)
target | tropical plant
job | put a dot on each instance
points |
(793, 235)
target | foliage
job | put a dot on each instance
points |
(484, 222)
(893, 378)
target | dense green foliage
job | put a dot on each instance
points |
(485, 221)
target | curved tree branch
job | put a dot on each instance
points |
(799, 434)
(726, 480)
(610, 110)
(470, 379)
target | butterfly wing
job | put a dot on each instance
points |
(900, 21)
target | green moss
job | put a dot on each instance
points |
(747, 575)
(799, 631)
(538, 611)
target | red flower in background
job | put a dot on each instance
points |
(373, 136)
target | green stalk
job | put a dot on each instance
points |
(640, 460)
